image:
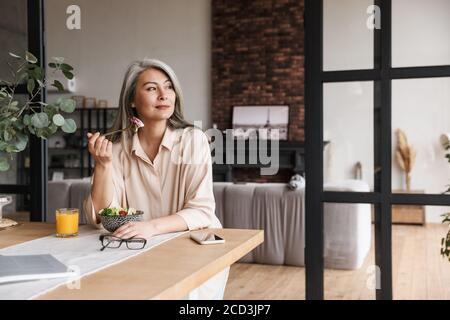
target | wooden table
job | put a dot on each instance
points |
(168, 271)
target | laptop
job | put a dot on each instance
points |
(32, 267)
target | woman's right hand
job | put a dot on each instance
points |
(100, 148)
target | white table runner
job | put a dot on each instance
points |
(81, 253)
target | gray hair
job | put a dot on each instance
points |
(128, 91)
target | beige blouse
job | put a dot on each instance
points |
(178, 181)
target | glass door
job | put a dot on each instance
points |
(377, 93)
(20, 31)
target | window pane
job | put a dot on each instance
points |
(347, 41)
(348, 120)
(13, 32)
(421, 110)
(349, 252)
(420, 32)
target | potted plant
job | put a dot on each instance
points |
(445, 242)
(20, 118)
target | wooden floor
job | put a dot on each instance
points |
(419, 272)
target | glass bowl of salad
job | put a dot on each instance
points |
(113, 218)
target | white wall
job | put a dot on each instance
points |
(348, 125)
(421, 33)
(115, 32)
(347, 44)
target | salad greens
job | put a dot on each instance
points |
(117, 211)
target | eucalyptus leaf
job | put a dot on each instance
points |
(10, 148)
(18, 125)
(58, 60)
(39, 133)
(14, 104)
(51, 109)
(38, 73)
(26, 120)
(68, 74)
(66, 67)
(30, 86)
(52, 129)
(30, 57)
(20, 142)
(5, 116)
(3, 145)
(13, 108)
(68, 105)
(58, 85)
(7, 136)
(40, 120)
(15, 55)
(58, 120)
(69, 126)
(4, 164)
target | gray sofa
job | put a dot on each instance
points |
(274, 208)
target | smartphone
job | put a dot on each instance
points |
(206, 237)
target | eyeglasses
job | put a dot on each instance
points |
(109, 241)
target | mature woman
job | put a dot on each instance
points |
(164, 169)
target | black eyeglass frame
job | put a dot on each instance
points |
(120, 240)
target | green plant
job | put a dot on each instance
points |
(445, 242)
(19, 119)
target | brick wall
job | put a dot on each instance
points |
(258, 59)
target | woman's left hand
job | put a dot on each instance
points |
(139, 229)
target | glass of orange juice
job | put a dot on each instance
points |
(67, 222)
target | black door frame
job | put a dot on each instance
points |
(38, 147)
(383, 198)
